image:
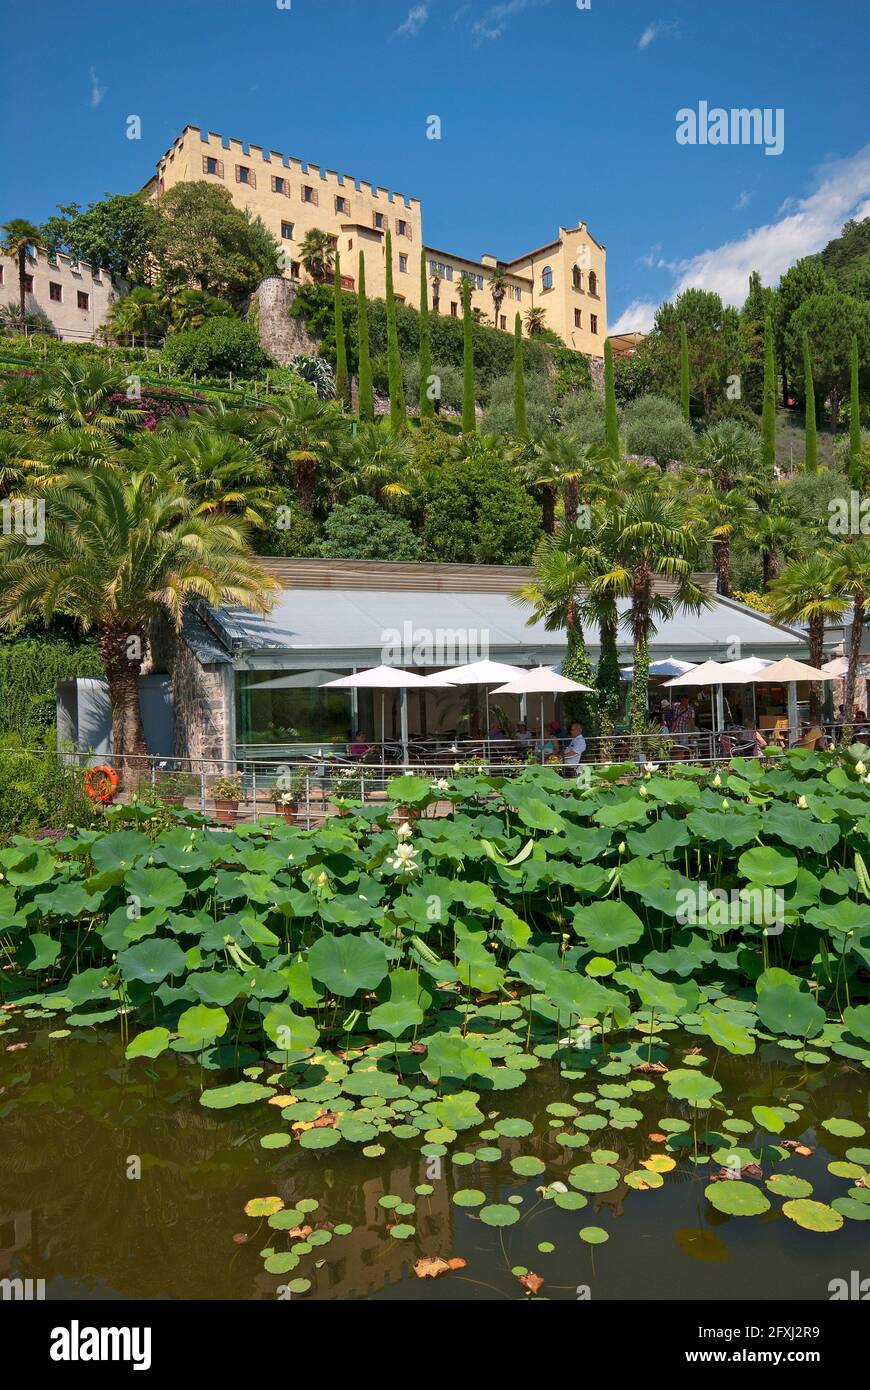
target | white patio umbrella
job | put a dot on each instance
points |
(788, 672)
(485, 673)
(388, 678)
(541, 680)
(667, 666)
(738, 674)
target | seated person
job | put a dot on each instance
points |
(752, 735)
(522, 735)
(358, 748)
(576, 746)
(813, 738)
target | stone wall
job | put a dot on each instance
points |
(282, 336)
(200, 694)
(596, 371)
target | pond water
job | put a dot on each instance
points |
(74, 1117)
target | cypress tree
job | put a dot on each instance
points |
(768, 408)
(342, 383)
(684, 373)
(469, 418)
(811, 453)
(366, 391)
(611, 423)
(427, 405)
(854, 417)
(398, 419)
(521, 423)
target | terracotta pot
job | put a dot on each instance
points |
(408, 813)
(287, 809)
(226, 811)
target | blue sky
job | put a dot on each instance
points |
(550, 113)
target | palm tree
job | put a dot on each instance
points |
(572, 467)
(731, 514)
(728, 453)
(120, 551)
(143, 313)
(498, 288)
(192, 308)
(379, 462)
(20, 237)
(772, 533)
(317, 255)
(564, 567)
(306, 434)
(83, 396)
(222, 473)
(805, 593)
(850, 576)
(536, 322)
(649, 536)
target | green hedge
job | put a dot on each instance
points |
(30, 668)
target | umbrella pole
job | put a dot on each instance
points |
(403, 719)
(793, 729)
(542, 728)
(383, 744)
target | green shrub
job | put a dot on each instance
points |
(476, 512)
(30, 668)
(37, 792)
(361, 530)
(220, 346)
(654, 426)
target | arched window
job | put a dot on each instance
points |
(547, 278)
(577, 275)
(593, 282)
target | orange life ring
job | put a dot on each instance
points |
(101, 783)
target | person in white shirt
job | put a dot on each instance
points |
(576, 747)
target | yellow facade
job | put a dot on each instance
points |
(565, 278)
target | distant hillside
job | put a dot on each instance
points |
(847, 258)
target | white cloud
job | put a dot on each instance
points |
(97, 92)
(809, 223)
(803, 226)
(637, 318)
(652, 32)
(493, 21)
(743, 200)
(413, 21)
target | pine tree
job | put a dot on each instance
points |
(342, 382)
(611, 422)
(398, 419)
(521, 423)
(427, 404)
(469, 418)
(768, 407)
(684, 373)
(366, 391)
(811, 452)
(855, 469)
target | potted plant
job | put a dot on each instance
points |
(288, 791)
(173, 787)
(350, 785)
(226, 794)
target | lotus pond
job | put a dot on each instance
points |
(565, 1041)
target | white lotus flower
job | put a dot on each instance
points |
(442, 785)
(860, 768)
(404, 831)
(650, 767)
(802, 802)
(403, 859)
(717, 780)
(642, 791)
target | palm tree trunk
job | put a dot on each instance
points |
(121, 654)
(548, 508)
(569, 499)
(22, 271)
(854, 660)
(816, 646)
(306, 483)
(725, 569)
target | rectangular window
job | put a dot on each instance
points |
(578, 319)
(439, 268)
(593, 323)
(210, 165)
(453, 312)
(379, 221)
(341, 204)
(287, 231)
(2, 275)
(55, 292)
(309, 194)
(246, 175)
(403, 264)
(401, 227)
(502, 321)
(333, 241)
(294, 270)
(28, 284)
(279, 184)
(518, 294)
(83, 299)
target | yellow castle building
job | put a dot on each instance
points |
(566, 278)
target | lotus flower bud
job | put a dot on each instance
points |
(725, 803)
(860, 768)
(802, 802)
(622, 847)
(642, 791)
(717, 780)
